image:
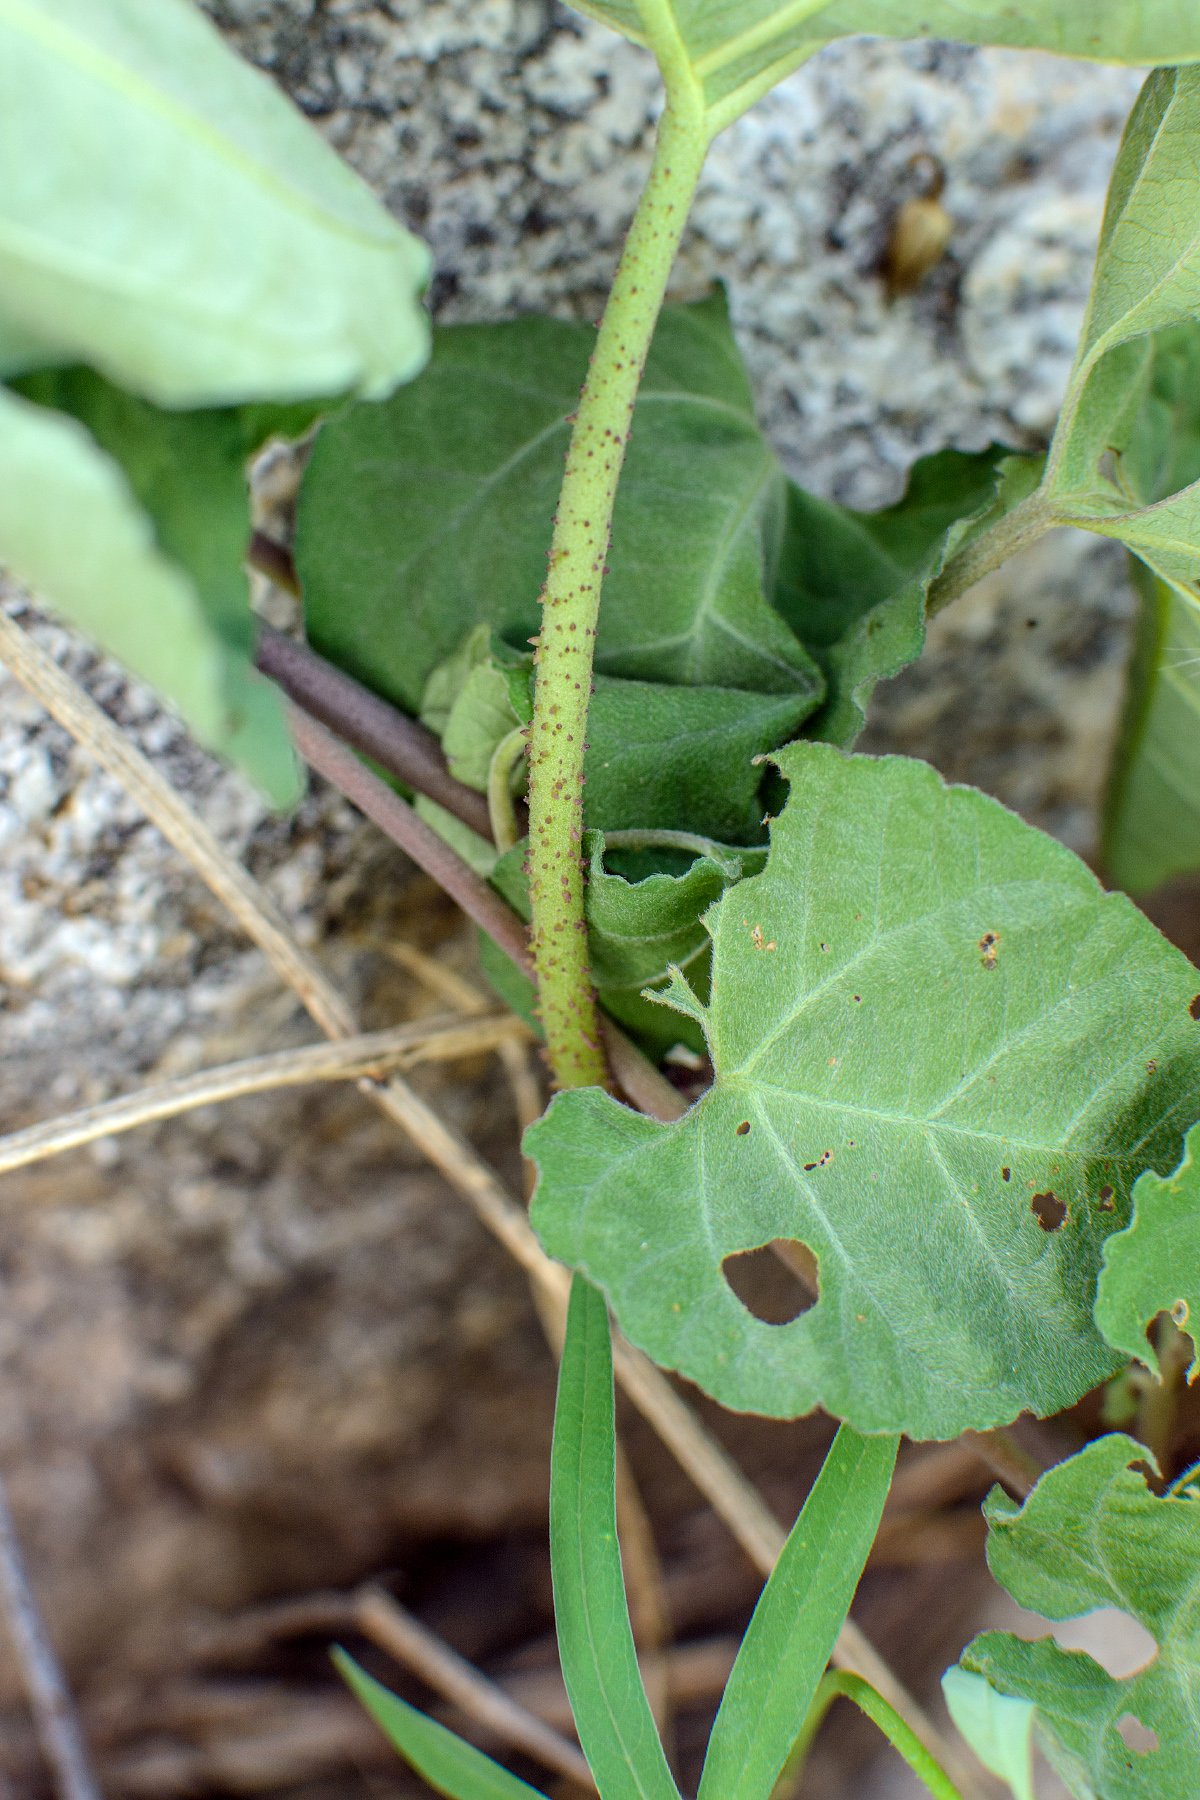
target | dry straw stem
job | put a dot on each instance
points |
(432, 1040)
(731, 1496)
(395, 1630)
(45, 1684)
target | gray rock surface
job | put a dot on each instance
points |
(264, 1349)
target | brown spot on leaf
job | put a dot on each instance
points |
(1106, 1199)
(1194, 1008)
(756, 938)
(1006, 1174)
(1048, 1210)
(989, 945)
(743, 1129)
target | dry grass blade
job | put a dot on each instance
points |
(45, 1684)
(434, 1040)
(732, 1497)
(395, 1630)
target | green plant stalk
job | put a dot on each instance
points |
(571, 596)
(865, 1697)
(1019, 528)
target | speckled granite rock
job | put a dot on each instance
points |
(263, 1348)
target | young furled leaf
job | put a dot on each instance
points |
(799, 1614)
(616, 1728)
(853, 585)
(1091, 1534)
(71, 527)
(1153, 1265)
(936, 1044)
(164, 206)
(445, 1761)
(735, 50)
(430, 514)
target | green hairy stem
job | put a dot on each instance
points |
(571, 596)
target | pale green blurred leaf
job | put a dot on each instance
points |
(1153, 1265)
(737, 49)
(1092, 1535)
(445, 1761)
(998, 1728)
(72, 529)
(168, 217)
(791, 1636)
(927, 1013)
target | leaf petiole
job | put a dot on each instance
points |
(877, 1709)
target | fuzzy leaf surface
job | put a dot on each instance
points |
(163, 205)
(1153, 1265)
(71, 527)
(431, 513)
(853, 585)
(616, 1729)
(1091, 1534)
(737, 49)
(928, 1015)
(449, 1764)
(791, 1636)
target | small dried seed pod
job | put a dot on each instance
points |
(922, 231)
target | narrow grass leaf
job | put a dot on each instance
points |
(599, 1662)
(798, 1616)
(441, 1758)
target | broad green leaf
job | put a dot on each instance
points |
(799, 1614)
(853, 585)
(168, 217)
(71, 527)
(1153, 1265)
(998, 1727)
(439, 1757)
(432, 513)
(595, 1641)
(737, 49)
(188, 471)
(931, 1029)
(1090, 1535)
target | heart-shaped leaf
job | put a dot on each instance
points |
(1090, 1535)
(72, 528)
(432, 513)
(1154, 1265)
(168, 217)
(936, 1043)
(732, 51)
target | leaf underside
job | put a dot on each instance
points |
(1092, 1535)
(938, 1031)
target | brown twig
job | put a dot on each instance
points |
(727, 1490)
(395, 1630)
(45, 1684)
(361, 719)
(275, 561)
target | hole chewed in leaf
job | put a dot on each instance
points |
(776, 1283)
(1135, 1736)
(1107, 1203)
(743, 1130)
(1048, 1210)
(1006, 1174)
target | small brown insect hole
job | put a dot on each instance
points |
(743, 1129)
(1048, 1210)
(989, 945)
(1106, 1199)
(1006, 1174)
(1194, 1008)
